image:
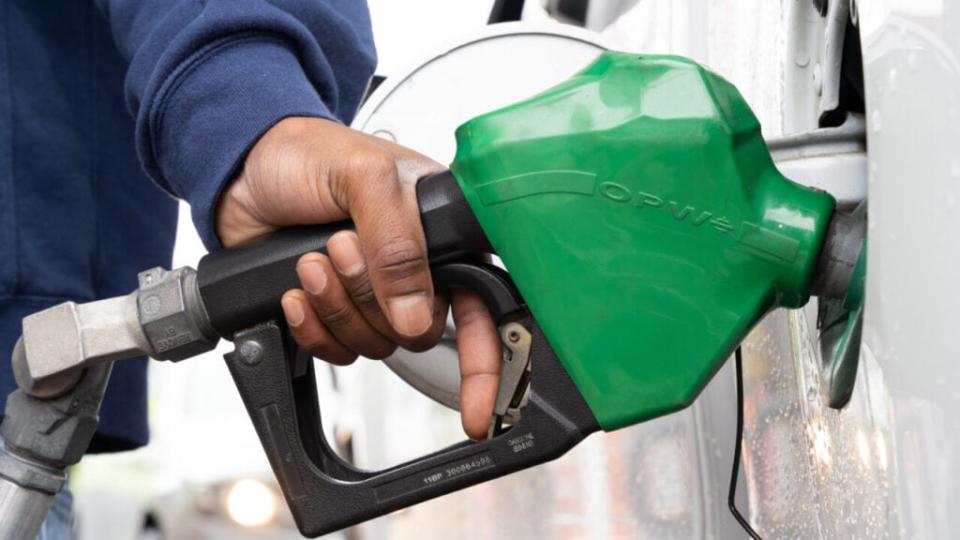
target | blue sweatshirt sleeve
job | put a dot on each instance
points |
(207, 78)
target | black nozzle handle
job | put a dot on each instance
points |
(326, 493)
(241, 287)
(241, 290)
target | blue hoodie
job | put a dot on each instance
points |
(111, 108)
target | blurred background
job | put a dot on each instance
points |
(809, 471)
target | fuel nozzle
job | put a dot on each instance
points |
(838, 282)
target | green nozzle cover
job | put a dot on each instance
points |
(638, 210)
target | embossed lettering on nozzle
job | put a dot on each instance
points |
(172, 314)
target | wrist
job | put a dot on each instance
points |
(252, 203)
(235, 215)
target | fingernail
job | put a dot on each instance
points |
(293, 311)
(410, 315)
(349, 259)
(313, 277)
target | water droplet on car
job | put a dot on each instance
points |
(875, 122)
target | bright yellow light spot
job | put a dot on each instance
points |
(821, 445)
(881, 449)
(863, 448)
(251, 503)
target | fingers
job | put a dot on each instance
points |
(342, 311)
(331, 319)
(336, 311)
(352, 270)
(393, 247)
(310, 333)
(480, 359)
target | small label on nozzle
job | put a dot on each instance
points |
(521, 443)
(434, 475)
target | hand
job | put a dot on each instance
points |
(373, 291)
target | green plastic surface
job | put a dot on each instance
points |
(639, 212)
(841, 329)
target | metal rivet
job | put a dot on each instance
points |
(251, 353)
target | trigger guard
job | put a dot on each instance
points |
(492, 283)
(436, 373)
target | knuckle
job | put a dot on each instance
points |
(361, 291)
(334, 356)
(315, 343)
(340, 358)
(380, 351)
(468, 314)
(400, 260)
(363, 171)
(420, 344)
(336, 315)
(369, 164)
(346, 360)
(316, 348)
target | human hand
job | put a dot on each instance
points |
(373, 291)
